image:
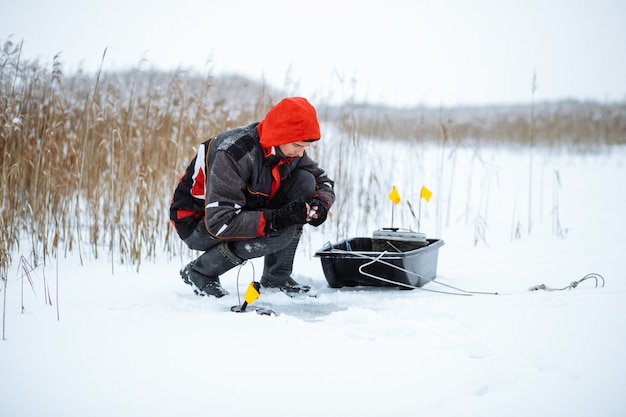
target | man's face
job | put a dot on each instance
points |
(293, 149)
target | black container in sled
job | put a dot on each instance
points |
(360, 261)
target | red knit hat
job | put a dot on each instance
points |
(293, 119)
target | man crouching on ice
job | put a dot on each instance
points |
(248, 193)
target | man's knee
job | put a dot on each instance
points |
(307, 180)
(200, 239)
(263, 245)
(300, 185)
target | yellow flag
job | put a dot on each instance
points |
(394, 195)
(252, 293)
(425, 193)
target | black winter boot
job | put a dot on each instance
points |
(202, 285)
(278, 267)
(203, 273)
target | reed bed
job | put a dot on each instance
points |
(568, 124)
(89, 161)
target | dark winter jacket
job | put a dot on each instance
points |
(229, 183)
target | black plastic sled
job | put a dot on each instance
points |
(391, 258)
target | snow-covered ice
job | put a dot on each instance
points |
(142, 344)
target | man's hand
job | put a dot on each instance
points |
(295, 212)
(318, 212)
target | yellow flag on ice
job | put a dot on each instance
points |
(425, 193)
(394, 195)
(252, 293)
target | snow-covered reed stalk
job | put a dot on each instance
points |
(4, 306)
(530, 159)
(26, 270)
(557, 228)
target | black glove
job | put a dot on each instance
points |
(287, 215)
(322, 211)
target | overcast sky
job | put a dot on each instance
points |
(400, 52)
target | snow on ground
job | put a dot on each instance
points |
(142, 344)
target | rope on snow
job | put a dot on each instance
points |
(378, 259)
(593, 275)
(374, 259)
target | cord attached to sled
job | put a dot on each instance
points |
(378, 259)
(597, 277)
